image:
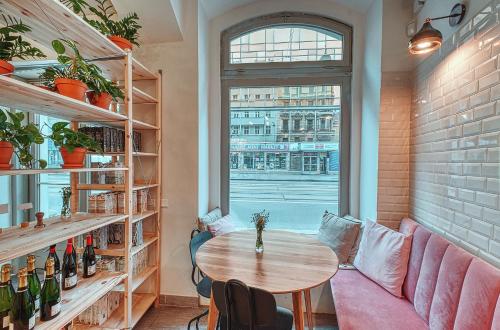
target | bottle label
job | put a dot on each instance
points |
(55, 309)
(31, 322)
(70, 281)
(6, 321)
(91, 270)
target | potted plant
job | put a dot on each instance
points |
(12, 44)
(73, 145)
(18, 138)
(70, 78)
(124, 32)
(103, 91)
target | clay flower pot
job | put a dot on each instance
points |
(121, 42)
(102, 100)
(73, 159)
(71, 88)
(6, 151)
(6, 68)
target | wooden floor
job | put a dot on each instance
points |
(177, 318)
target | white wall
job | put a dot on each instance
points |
(372, 75)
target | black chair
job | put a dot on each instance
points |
(244, 308)
(203, 283)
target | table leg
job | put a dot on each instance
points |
(213, 314)
(298, 313)
(307, 296)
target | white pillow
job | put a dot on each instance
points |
(222, 226)
(383, 256)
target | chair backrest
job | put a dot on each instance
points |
(244, 307)
(197, 240)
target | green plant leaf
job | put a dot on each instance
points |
(43, 163)
(58, 47)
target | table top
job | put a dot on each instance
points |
(291, 262)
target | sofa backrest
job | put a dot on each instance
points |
(449, 287)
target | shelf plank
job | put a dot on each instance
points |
(114, 187)
(77, 300)
(145, 154)
(140, 304)
(16, 242)
(49, 20)
(148, 240)
(137, 124)
(141, 97)
(22, 96)
(118, 250)
(143, 215)
(114, 70)
(59, 170)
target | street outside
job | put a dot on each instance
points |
(292, 204)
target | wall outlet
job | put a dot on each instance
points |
(164, 202)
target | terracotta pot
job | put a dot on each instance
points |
(73, 159)
(71, 88)
(6, 151)
(102, 100)
(121, 42)
(6, 68)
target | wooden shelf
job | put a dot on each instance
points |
(49, 18)
(114, 187)
(22, 96)
(140, 97)
(58, 170)
(140, 304)
(114, 70)
(145, 154)
(16, 242)
(137, 124)
(148, 240)
(118, 250)
(142, 216)
(77, 300)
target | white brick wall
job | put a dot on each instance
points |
(455, 139)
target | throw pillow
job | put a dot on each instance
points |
(209, 218)
(383, 256)
(222, 226)
(339, 234)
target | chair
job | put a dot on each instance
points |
(244, 308)
(203, 283)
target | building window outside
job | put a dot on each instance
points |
(246, 130)
(296, 124)
(246, 97)
(268, 130)
(284, 125)
(247, 114)
(235, 97)
(257, 97)
(310, 124)
(235, 130)
(257, 114)
(257, 130)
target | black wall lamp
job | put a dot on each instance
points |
(428, 38)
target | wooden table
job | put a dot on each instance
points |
(291, 263)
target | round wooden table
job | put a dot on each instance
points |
(291, 263)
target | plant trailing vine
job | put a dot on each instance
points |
(12, 44)
(65, 137)
(21, 137)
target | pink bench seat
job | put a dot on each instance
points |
(445, 288)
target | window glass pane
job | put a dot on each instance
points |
(293, 169)
(5, 216)
(288, 43)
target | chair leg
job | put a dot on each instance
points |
(197, 320)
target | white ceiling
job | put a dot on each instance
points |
(218, 7)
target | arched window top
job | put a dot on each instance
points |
(287, 43)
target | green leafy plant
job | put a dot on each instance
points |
(12, 44)
(102, 85)
(65, 137)
(21, 137)
(77, 6)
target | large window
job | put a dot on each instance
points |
(291, 163)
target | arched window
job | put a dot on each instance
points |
(285, 119)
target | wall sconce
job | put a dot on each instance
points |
(429, 38)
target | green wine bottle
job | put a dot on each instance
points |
(51, 293)
(23, 308)
(34, 285)
(6, 297)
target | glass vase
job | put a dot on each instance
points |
(259, 243)
(65, 210)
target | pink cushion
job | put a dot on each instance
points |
(479, 297)
(408, 226)
(383, 256)
(361, 304)
(424, 292)
(448, 287)
(419, 242)
(222, 226)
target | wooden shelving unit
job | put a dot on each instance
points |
(141, 111)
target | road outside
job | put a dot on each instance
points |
(292, 204)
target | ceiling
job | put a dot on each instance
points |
(218, 7)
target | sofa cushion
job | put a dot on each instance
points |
(419, 242)
(383, 256)
(361, 304)
(209, 218)
(339, 234)
(479, 296)
(222, 226)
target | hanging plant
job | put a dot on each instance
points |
(18, 138)
(12, 44)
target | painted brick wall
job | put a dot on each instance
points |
(394, 144)
(455, 138)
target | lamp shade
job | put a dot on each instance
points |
(425, 40)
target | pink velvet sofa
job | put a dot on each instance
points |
(445, 288)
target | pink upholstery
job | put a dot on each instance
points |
(445, 288)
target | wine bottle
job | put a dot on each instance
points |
(57, 264)
(23, 308)
(50, 299)
(6, 297)
(8, 268)
(89, 262)
(34, 285)
(69, 268)
(74, 250)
